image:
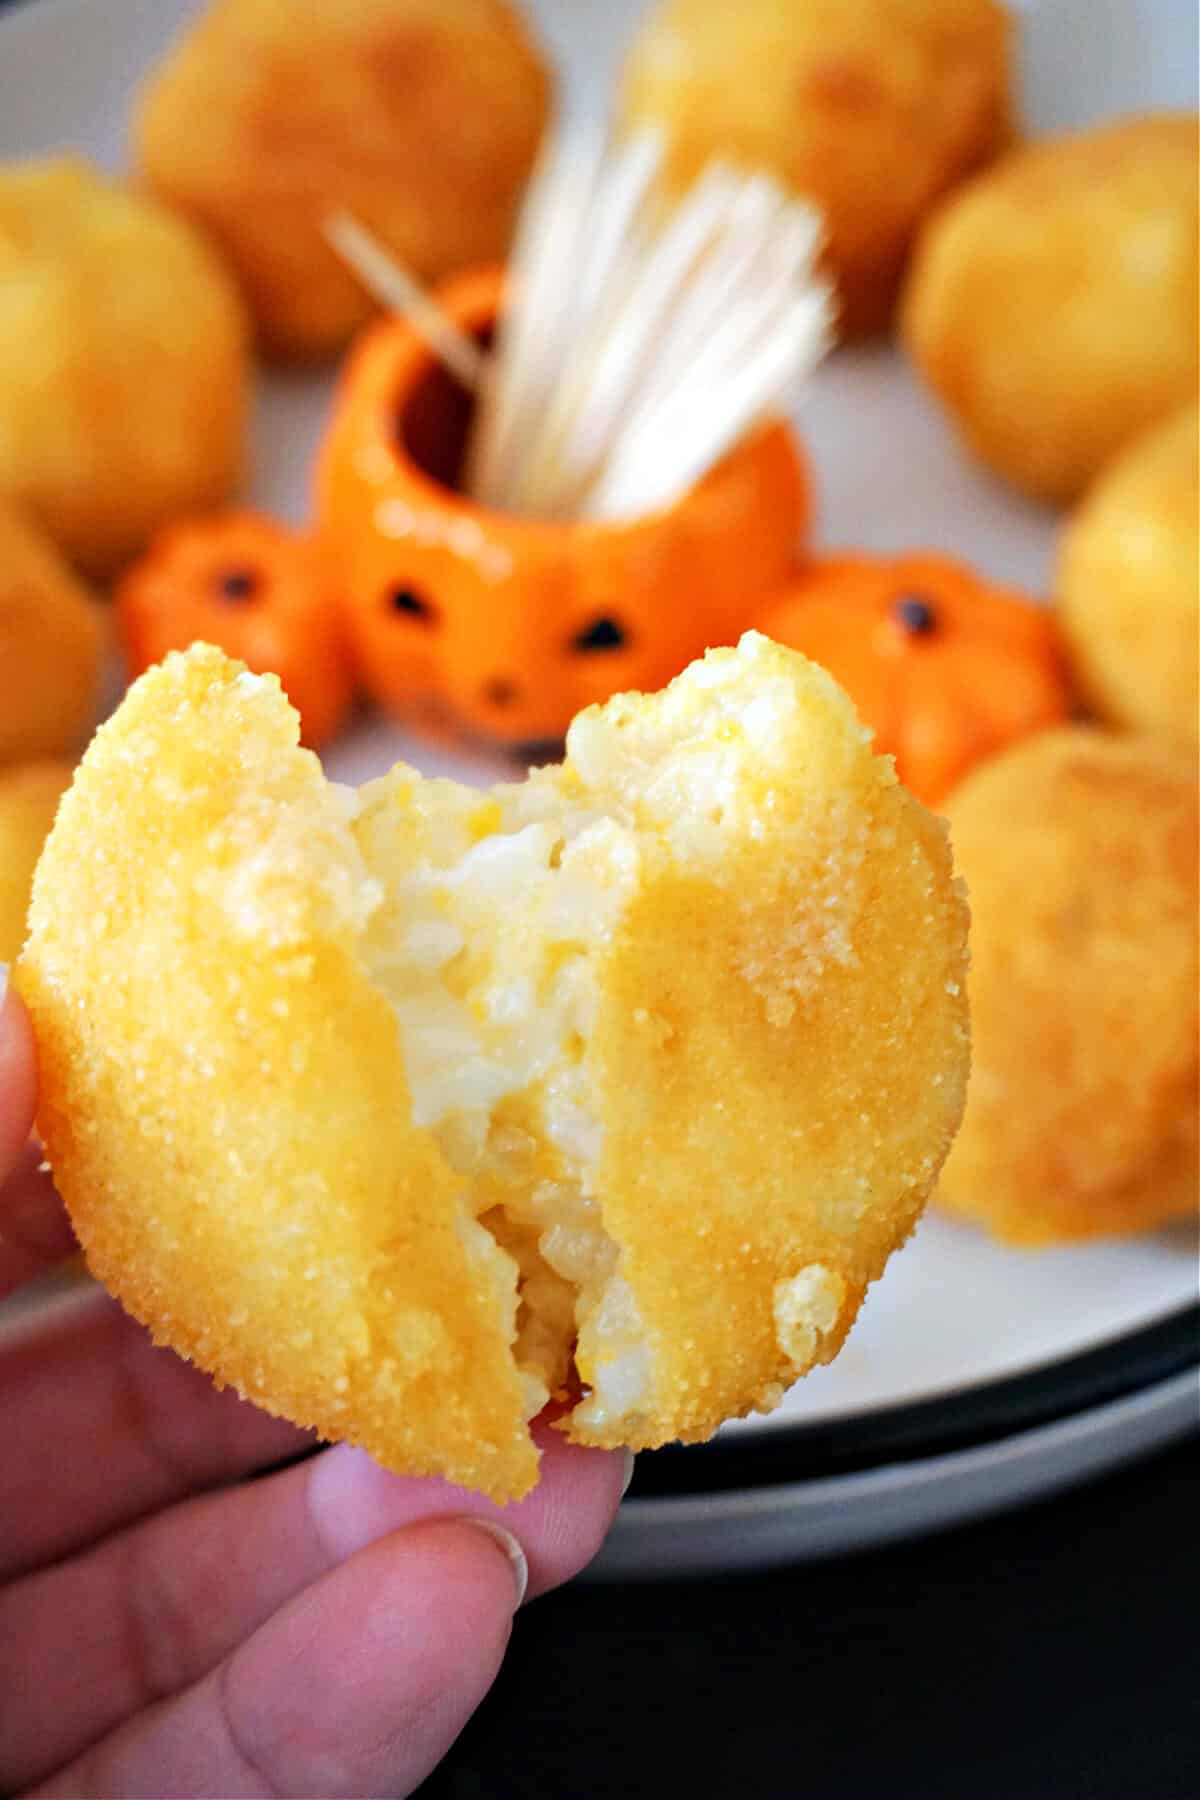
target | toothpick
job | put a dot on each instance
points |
(641, 339)
(531, 337)
(601, 386)
(400, 292)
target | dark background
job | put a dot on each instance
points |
(1047, 1652)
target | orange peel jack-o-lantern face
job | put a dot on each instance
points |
(259, 592)
(945, 667)
(509, 625)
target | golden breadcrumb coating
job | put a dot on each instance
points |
(1129, 584)
(224, 1096)
(29, 797)
(1052, 303)
(1079, 852)
(123, 366)
(420, 117)
(404, 1110)
(872, 109)
(52, 638)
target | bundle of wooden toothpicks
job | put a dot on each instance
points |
(641, 338)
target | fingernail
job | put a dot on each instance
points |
(629, 1468)
(510, 1547)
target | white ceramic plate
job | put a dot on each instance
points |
(966, 1355)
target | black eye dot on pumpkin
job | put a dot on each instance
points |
(602, 634)
(915, 615)
(237, 586)
(411, 604)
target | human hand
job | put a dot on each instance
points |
(168, 1627)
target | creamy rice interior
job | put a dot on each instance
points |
(485, 943)
(494, 909)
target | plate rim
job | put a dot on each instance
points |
(985, 1412)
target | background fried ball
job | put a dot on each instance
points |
(419, 117)
(1128, 580)
(52, 637)
(122, 362)
(1079, 852)
(1052, 304)
(29, 798)
(872, 108)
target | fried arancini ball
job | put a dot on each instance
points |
(420, 118)
(872, 108)
(29, 797)
(123, 365)
(1128, 581)
(403, 1110)
(1079, 852)
(52, 638)
(1052, 303)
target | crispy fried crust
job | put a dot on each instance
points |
(123, 366)
(782, 1061)
(1129, 584)
(1027, 305)
(873, 109)
(1079, 851)
(777, 1066)
(420, 118)
(52, 639)
(29, 797)
(223, 1099)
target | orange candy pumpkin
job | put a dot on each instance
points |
(946, 668)
(509, 625)
(256, 590)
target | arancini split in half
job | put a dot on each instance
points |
(407, 1109)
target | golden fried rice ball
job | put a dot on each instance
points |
(1079, 852)
(404, 1110)
(420, 117)
(29, 798)
(872, 108)
(1052, 303)
(1129, 584)
(122, 362)
(52, 638)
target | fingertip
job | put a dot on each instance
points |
(560, 1525)
(511, 1549)
(481, 1562)
(376, 1668)
(357, 1685)
(18, 1073)
(565, 1520)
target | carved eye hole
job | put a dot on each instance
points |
(915, 615)
(236, 586)
(411, 605)
(602, 634)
